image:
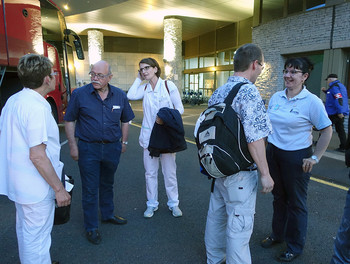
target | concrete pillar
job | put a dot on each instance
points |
(95, 43)
(173, 51)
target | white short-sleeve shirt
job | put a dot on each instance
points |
(26, 121)
(292, 120)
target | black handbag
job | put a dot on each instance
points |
(62, 214)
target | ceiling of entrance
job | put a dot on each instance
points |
(144, 18)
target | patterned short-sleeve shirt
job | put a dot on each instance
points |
(249, 107)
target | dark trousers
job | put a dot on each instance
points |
(348, 138)
(98, 164)
(339, 128)
(342, 241)
(290, 212)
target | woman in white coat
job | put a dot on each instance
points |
(156, 93)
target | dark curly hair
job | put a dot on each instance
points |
(301, 63)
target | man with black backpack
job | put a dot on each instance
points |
(232, 203)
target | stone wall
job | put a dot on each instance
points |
(341, 35)
(305, 32)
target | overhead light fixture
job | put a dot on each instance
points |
(66, 7)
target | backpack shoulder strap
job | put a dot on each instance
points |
(166, 86)
(233, 93)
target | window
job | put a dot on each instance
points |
(295, 6)
(71, 67)
(314, 4)
(213, 71)
(191, 63)
(193, 82)
(208, 82)
(200, 81)
(52, 26)
(186, 76)
(221, 77)
(272, 10)
(225, 57)
(207, 61)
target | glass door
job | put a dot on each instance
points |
(193, 82)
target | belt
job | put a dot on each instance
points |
(103, 142)
(99, 141)
(252, 167)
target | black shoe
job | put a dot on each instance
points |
(287, 256)
(340, 150)
(116, 220)
(55, 262)
(269, 242)
(94, 237)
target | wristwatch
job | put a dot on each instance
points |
(125, 142)
(314, 157)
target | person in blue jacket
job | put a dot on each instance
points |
(337, 106)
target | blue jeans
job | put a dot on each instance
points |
(290, 212)
(342, 241)
(98, 164)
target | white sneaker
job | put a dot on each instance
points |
(150, 211)
(176, 211)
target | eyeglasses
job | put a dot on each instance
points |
(261, 64)
(99, 76)
(291, 73)
(52, 74)
(146, 68)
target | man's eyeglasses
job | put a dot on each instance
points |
(99, 76)
(261, 64)
(292, 72)
(145, 68)
(52, 74)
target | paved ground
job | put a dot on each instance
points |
(164, 239)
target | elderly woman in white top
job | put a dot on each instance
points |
(156, 93)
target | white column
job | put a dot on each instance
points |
(95, 43)
(173, 51)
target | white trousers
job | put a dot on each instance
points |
(33, 226)
(170, 181)
(231, 218)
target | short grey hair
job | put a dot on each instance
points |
(32, 69)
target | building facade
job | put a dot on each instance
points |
(319, 29)
(322, 33)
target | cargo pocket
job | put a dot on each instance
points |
(240, 223)
(240, 187)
